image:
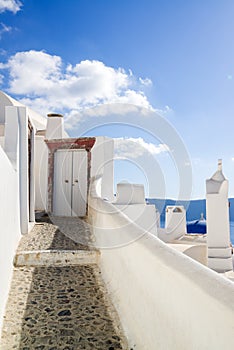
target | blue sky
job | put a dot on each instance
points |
(175, 58)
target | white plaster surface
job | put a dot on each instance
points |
(16, 148)
(5, 100)
(218, 230)
(196, 252)
(165, 299)
(175, 224)
(128, 193)
(41, 173)
(11, 145)
(2, 133)
(2, 141)
(176, 219)
(14, 213)
(10, 225)
(145, 216)
(219, 253)
(102, 155)
(23, 169)
(55, 128)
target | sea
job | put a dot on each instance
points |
(194, 208)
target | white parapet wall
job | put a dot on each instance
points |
(145, 216)
(10, 225)
(128, 193)
(165, 300)
(130, 200)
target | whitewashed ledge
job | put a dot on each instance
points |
(56, 258)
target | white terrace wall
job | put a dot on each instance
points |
(165, 299)
(10, 225)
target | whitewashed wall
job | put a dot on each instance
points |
(38, 120)
(10, 225)
(41, 173)
(15, 212)
(102, 165)
(165, 299)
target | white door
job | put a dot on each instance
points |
(70, 183)
(79, 183)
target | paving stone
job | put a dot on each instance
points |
(54, 233)
(59, 307)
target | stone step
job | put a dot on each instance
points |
(56, 258)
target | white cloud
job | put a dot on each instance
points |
(128, 111)
(4, 29)
(80, 91)
(146, 81)
(10, 5)
(137, 147)
(33, 72)
(45, 79)
(134, 97)
(165, 111)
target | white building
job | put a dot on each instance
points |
(31, 147)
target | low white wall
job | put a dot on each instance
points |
(197, 252)
(10, 225)
(143, 215)
(165, 300)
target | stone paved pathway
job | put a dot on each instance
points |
(55, 308)
(57, 233)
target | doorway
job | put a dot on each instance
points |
(70, 182)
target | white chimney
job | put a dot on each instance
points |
(217, 216)
(55, 126)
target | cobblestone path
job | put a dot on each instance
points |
(57, 233)
(57, 308)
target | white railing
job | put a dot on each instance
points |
(165, 300)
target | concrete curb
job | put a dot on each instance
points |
(56, 258)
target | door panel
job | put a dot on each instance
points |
(70, 183)
(79, 183)
(62, 183)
